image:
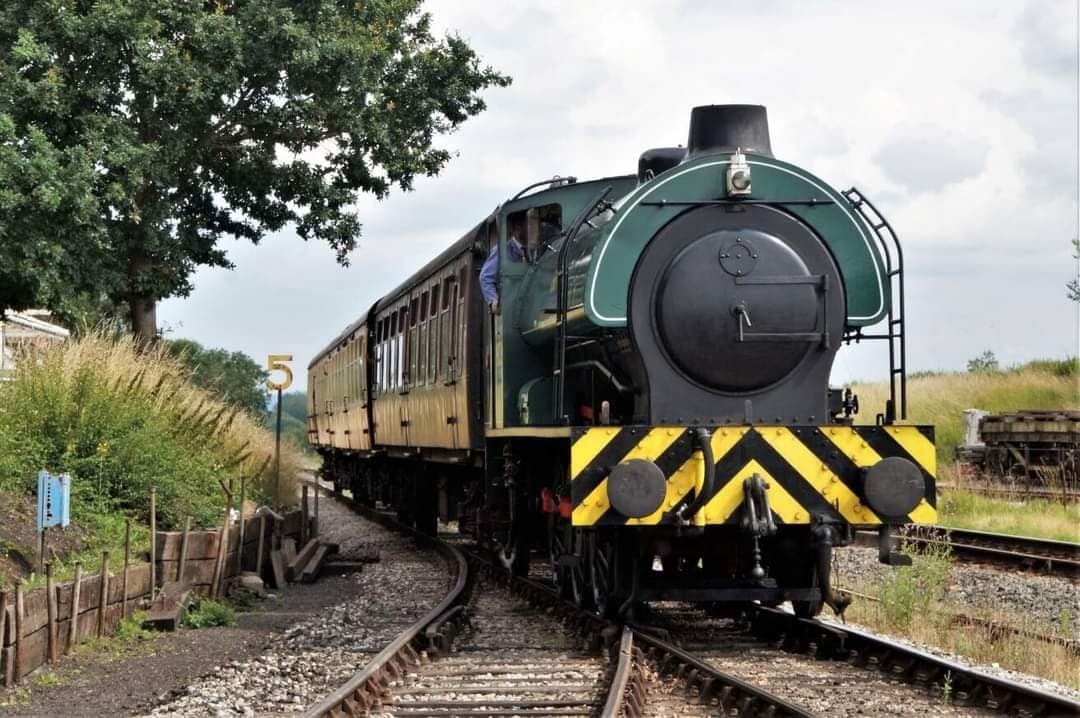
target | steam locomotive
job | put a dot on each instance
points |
(648, 404)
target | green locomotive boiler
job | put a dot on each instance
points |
(648, 406)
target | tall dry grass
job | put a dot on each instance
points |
(940, 399)
(121, 420)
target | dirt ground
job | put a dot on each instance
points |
(99, 684)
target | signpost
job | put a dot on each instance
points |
(277, 362)
(53, 505)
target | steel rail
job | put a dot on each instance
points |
(709, 684)
(963, 685)
(365, 689)
(626, 693)
(1017, 493)
(1043, 556)
(625, 696)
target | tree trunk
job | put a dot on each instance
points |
(143, 318)
(143, 307)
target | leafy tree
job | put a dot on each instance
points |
(136, 134)
(233, 376)
(1072, 289)
(985, 362)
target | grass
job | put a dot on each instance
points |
(939, 399)
(207, 612)
(914, 604)
(129, 639)
(1036, 517)
(121, 420)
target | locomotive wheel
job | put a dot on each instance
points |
(570, 580)
(602, 573)
(559, 539)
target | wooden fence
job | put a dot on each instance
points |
(28, 636)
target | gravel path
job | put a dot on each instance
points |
(1042, 603)
(315, 655)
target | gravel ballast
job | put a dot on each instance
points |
(316, 655)
(1031, 600)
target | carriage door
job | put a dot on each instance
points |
(449, 365)
(492, 343)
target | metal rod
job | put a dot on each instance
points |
(50, 608)
(277, 454)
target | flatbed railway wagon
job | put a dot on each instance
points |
(648, 404)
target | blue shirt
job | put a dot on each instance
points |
(489, 273)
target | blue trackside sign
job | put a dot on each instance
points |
(53, 500)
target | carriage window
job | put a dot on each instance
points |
(423, 306)
(413, 312)
(446, 293)
(402, 348)
(386, 354)
(435, 299)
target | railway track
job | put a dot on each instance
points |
(1042, 556)
(946, 684)
(400, 680)
(996, 629)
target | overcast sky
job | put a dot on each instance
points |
(957, 119)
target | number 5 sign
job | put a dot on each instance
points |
(276, 362)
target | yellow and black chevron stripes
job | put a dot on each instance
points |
(810, 470)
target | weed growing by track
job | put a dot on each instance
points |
(908, 592)
(121, 420)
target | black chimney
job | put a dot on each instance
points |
(724, 128)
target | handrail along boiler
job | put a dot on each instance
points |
(651, 404)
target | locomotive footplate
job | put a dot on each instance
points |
(856, 475)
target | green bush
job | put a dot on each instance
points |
(208, 612)
(122, 420)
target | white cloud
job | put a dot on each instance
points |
(958, 120)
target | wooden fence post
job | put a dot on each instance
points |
(3, 630)
(127, 554)
(304, 516)
(50, 609)
(103, 593)
(20, 607)
(183, 551)
(153, 543)
(240, 540)
(262, 539)
(223, 543)
(76, 592)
